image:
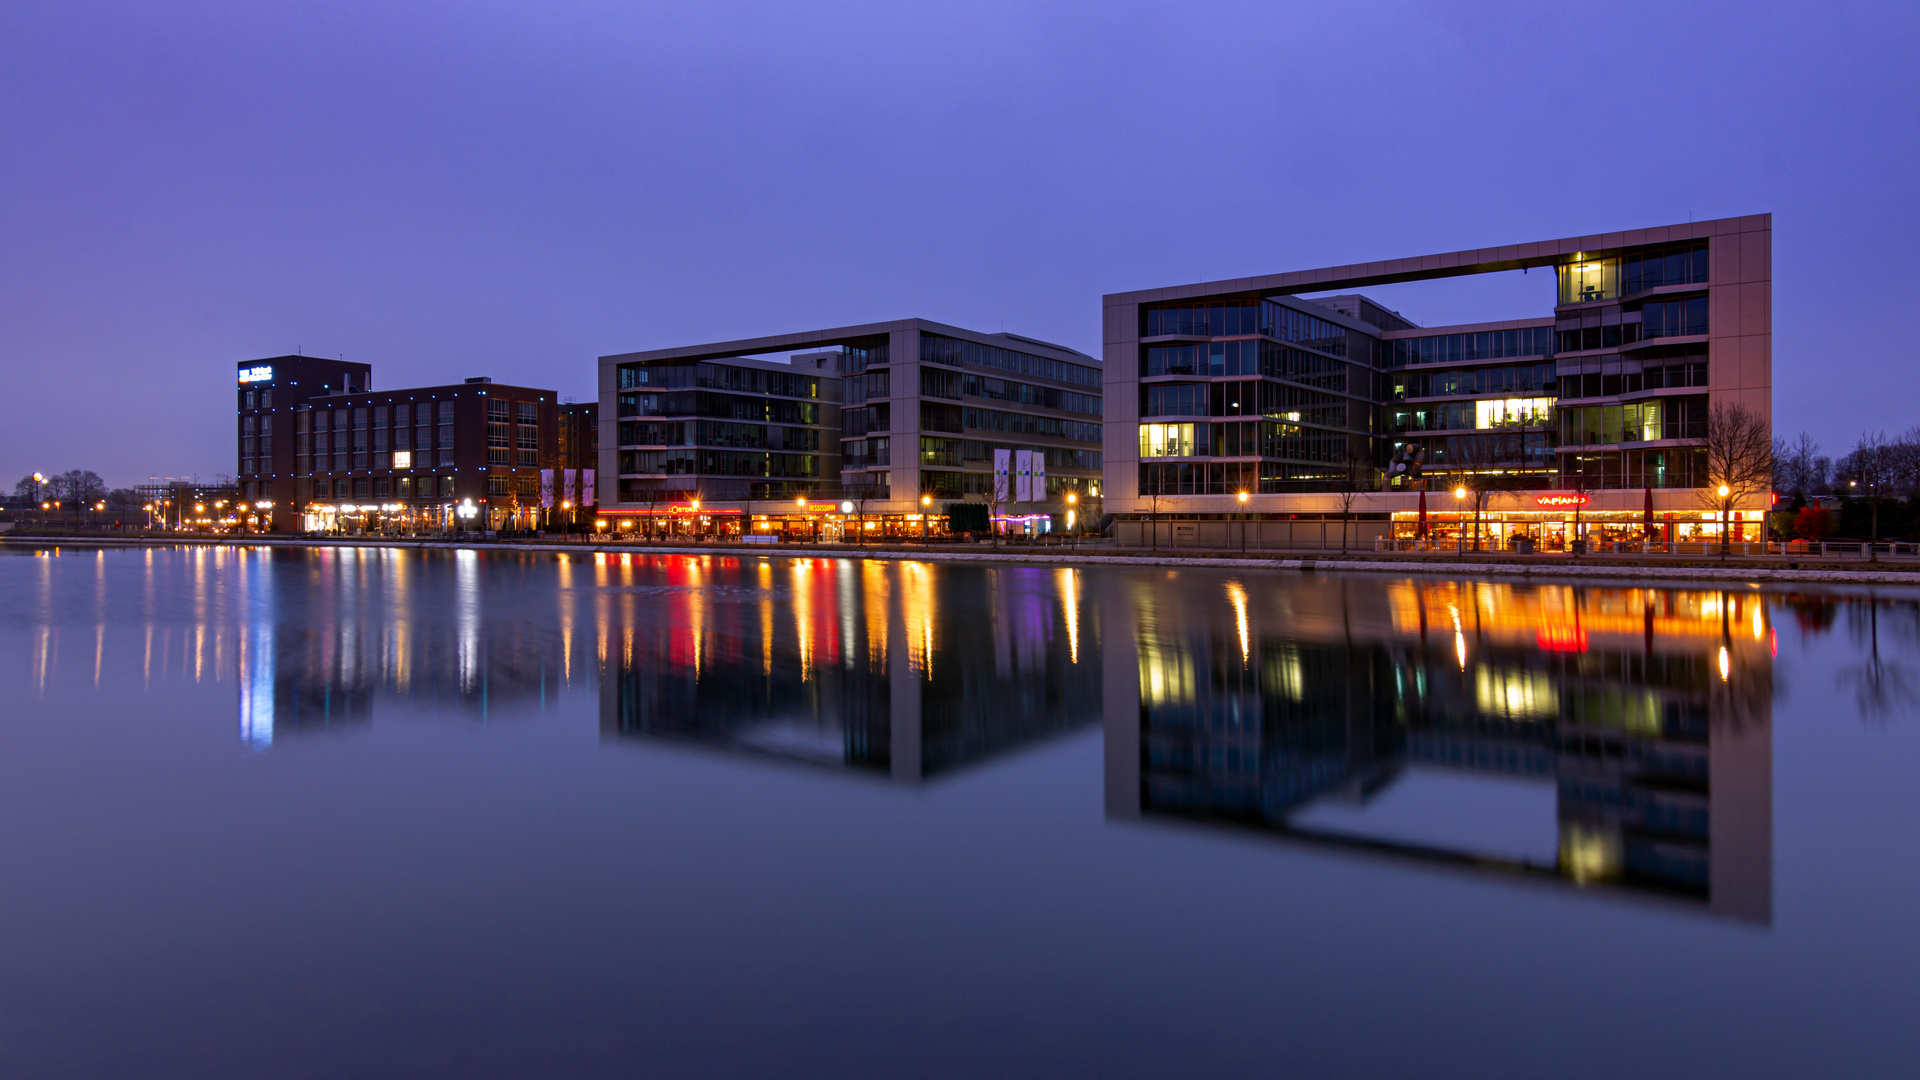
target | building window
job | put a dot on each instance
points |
(496, 409)
(406, 487)
(1674, 318)
(527, 441)
(381, 488)
(529, 487)
(360, 488)
(446, 486)
(528, 412)
(1167, 440)
(1666, 266)
(499, 485)
(1513, 412)
(499, 444)
(1586, 282)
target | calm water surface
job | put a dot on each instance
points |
(382, 813)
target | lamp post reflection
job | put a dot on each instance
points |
(905, 670)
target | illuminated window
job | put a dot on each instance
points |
(1513, 412)
(1589, 280)
(1167, 440)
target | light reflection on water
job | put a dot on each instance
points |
(1536, 740)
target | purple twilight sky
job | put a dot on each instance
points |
(458, 189)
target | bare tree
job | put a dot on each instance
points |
(78, 487)
(1153, 483)
(1575, 482)
(1870, 475)
(1484, 464)
(1739, 447)
(860, 492)
(1798, 468)
(1356, 475)
(1903, 462)
(652, 496)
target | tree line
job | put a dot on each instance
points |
(1877, 481)
(73, 488)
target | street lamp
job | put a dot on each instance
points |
(1242, 497)
(1460, 530)
(1073, 524)
(926, 505)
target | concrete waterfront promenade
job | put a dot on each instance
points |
(1615, 569)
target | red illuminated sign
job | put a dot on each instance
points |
(1560, 500)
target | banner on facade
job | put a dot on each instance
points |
(566, 486)
(1023, 476)
(1040, 475)
(1002, 481)
(546, 489)
(586, 487)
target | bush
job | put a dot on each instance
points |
(1813, 523)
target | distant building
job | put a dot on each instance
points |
(895, 418)
(178, 503)
(320, 451)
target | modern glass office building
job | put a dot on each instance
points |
(1275, 403)
(884, 425)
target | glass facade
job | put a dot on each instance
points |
(1684, 265)
(1457, 348)
(1674, 318)
(1518, 379)
(952, 352)
(1232, 318)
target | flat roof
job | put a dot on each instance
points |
(808, 340)
(1450, 264)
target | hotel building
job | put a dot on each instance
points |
(1599, 406)
(894, 420)
(320, 451)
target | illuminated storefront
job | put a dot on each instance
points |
(1550, 520)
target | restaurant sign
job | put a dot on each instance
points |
(1560, 499)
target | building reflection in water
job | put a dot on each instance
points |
(331, 634)
(1615, 739)
(902, 669)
